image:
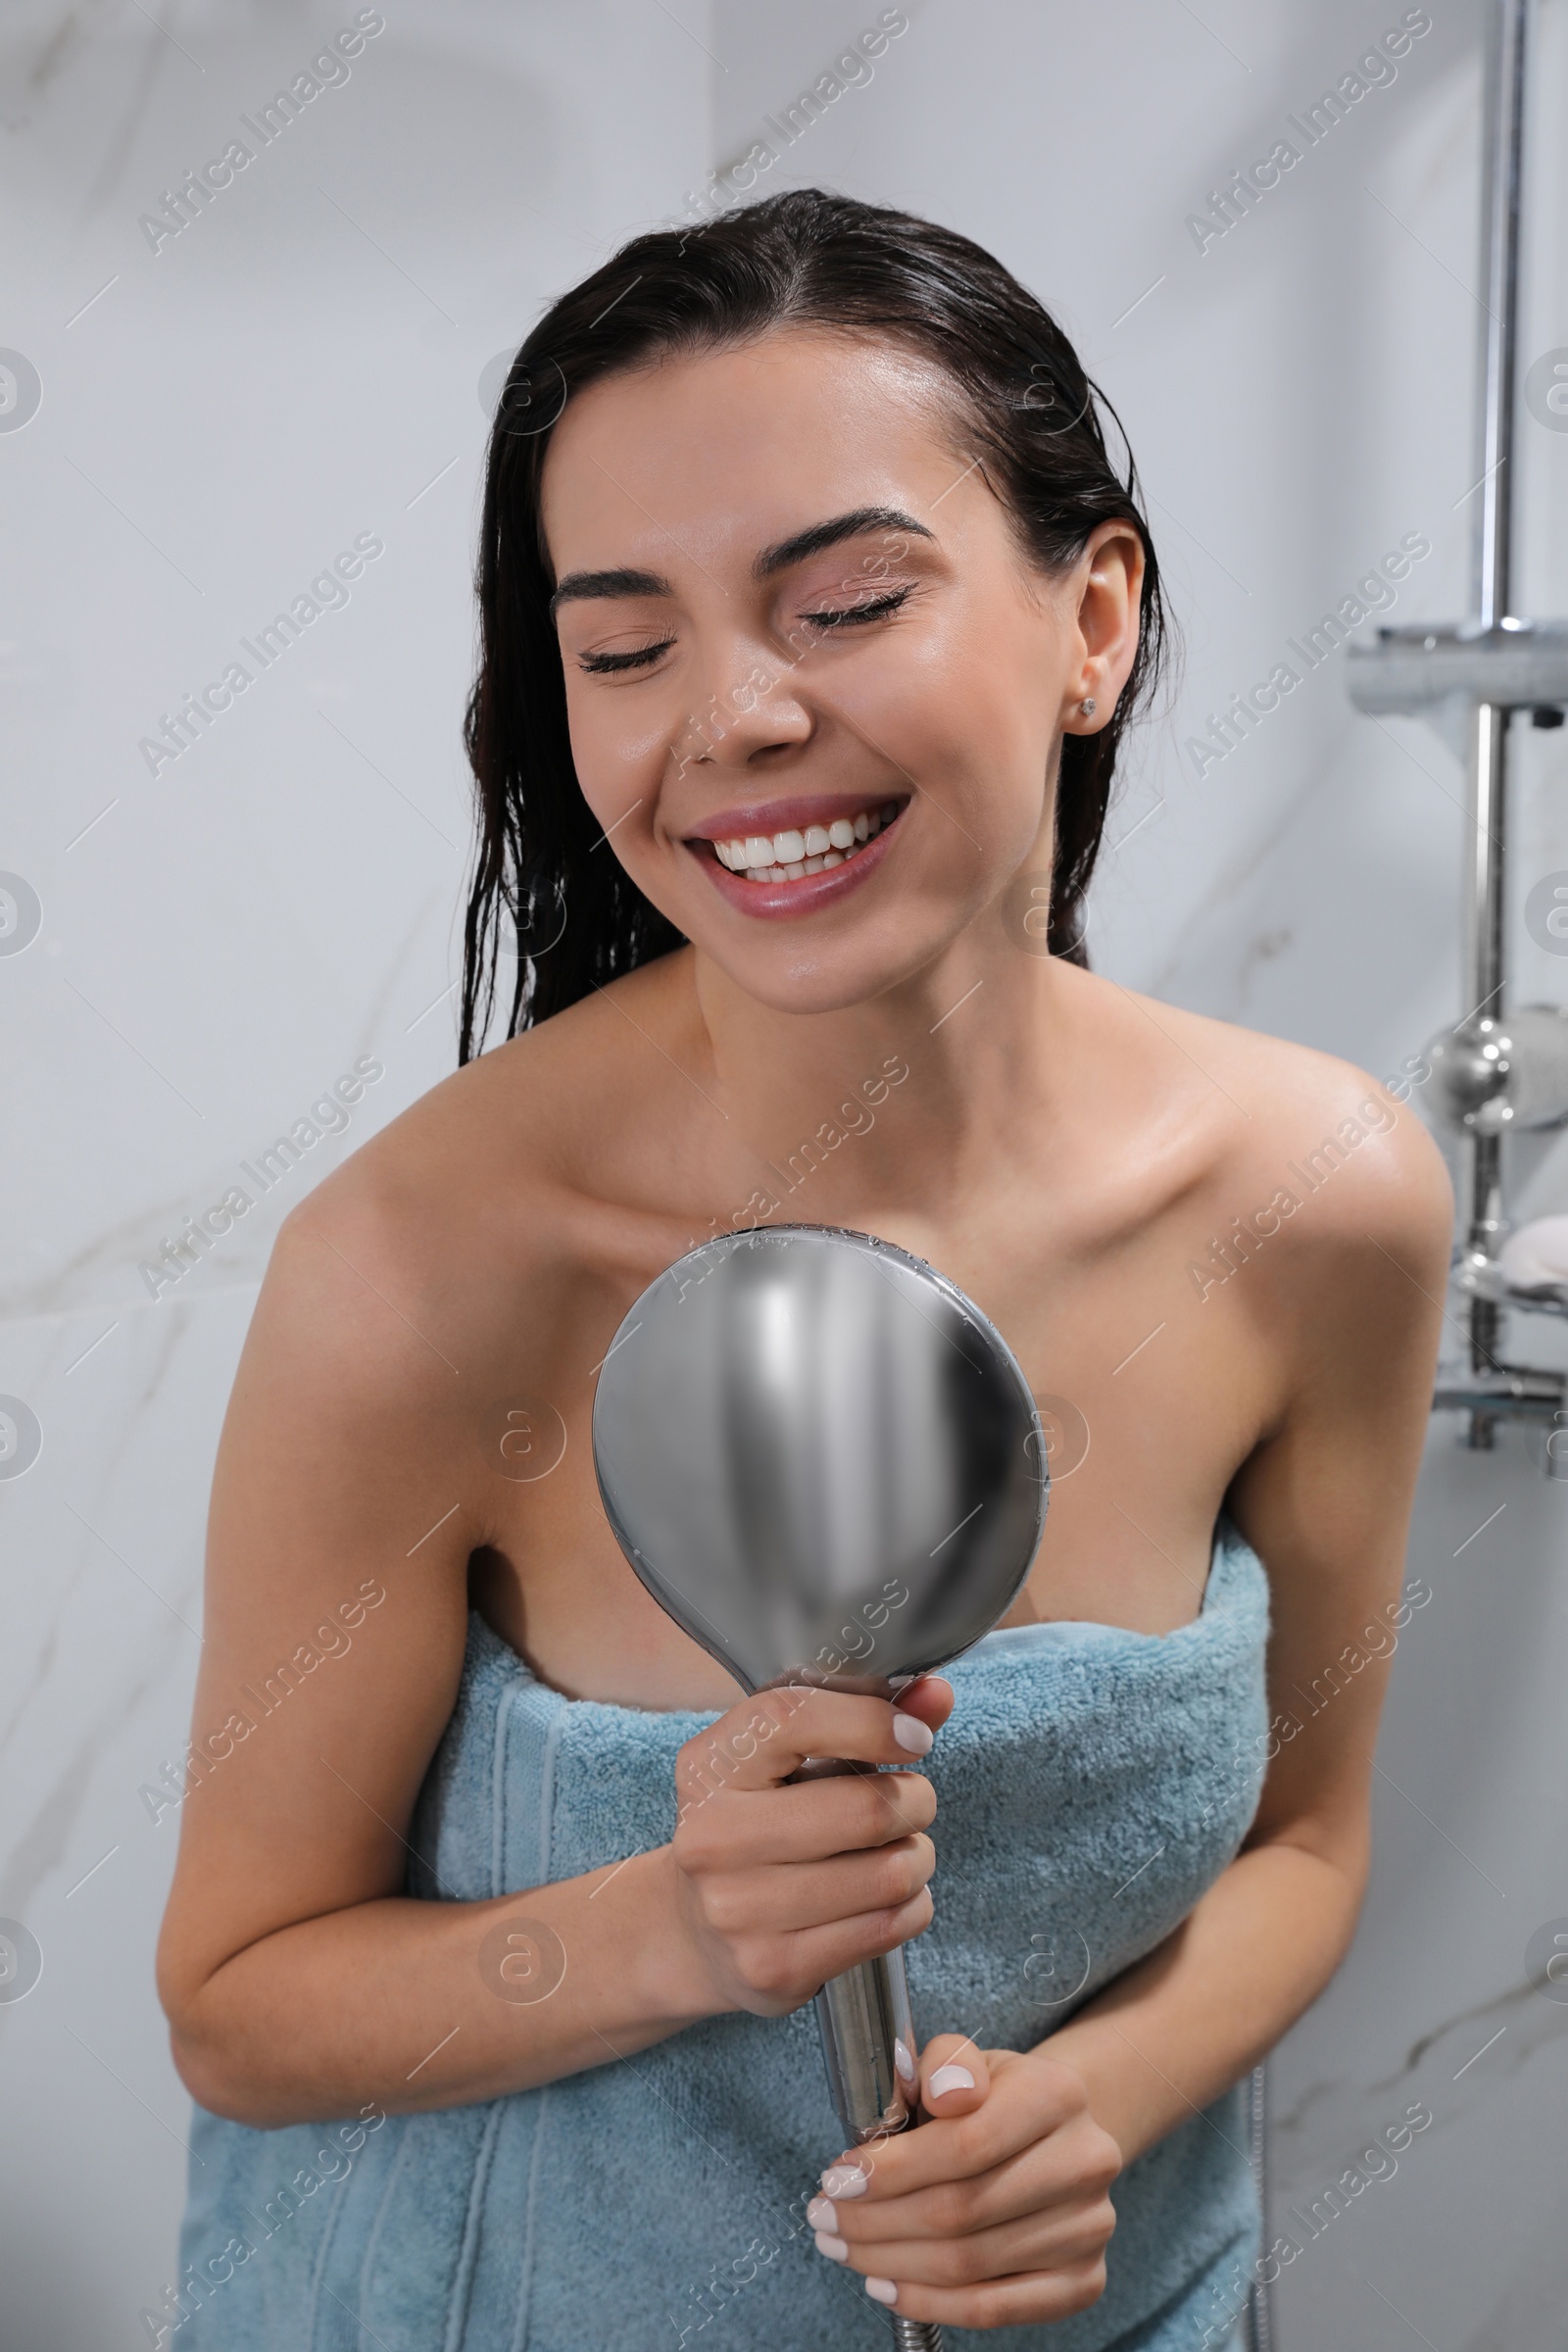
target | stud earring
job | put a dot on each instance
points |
(1087, 705)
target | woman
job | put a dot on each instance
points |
(813, 609)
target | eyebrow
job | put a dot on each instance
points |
(584, 586)
(580, 585)
(820, 536)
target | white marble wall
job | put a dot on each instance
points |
(221, 940)
(1299, 395)
(218, 942)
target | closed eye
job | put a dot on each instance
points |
(849, 614)
(846, 617)
(601, 665)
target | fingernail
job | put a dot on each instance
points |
(904, 2061)
(822, 2213)
(951, 2077)
(845, 2180)
(882, 2291)
(911, 1732)
(833, 2247)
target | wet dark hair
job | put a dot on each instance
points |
(1024, 407)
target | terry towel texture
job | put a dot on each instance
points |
(1091, 1785)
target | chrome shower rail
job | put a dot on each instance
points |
(1467, 681)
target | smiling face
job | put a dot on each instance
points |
(814, 689)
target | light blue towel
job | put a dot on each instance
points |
(1091, 1784)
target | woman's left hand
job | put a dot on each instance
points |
(992, 2213)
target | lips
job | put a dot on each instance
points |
(797, 815)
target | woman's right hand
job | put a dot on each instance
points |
(780, 1887)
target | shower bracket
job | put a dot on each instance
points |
(1440, 675)
(1508, 1393)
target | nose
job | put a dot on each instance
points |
(754, 709)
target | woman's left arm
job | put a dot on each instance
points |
(996, 2211)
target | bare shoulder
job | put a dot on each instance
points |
(514, 1127)
(1284, 1118)
(472, 1219)
(1322, 1218)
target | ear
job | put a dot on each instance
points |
(1108, 581)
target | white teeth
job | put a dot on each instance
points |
(789, 855)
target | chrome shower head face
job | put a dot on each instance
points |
(819, 1456)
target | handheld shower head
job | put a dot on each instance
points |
(825, 1463)
(819, 1456)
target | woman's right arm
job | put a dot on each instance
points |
(300, 1982)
